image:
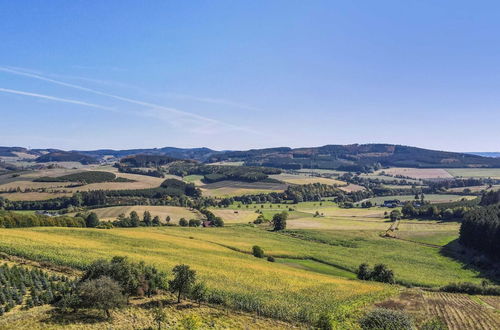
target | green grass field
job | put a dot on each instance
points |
(475, 172)
(433, 198)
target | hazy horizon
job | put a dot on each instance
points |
(242, 75)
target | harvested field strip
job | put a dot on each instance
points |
(459, 311)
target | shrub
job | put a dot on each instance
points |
(92, 220)
(257, 251)
(380, 273)
(324, 322)
(183, 222)
(386, 319)
(194, 223)
(364, 272)
(434, 324)
(199, 292)
(270, 259)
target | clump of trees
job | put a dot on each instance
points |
(17, 220)
(379, 273)
(85, 177)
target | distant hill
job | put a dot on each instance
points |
(200, 154)
(66, 156)
(485, 154)
(354, 157)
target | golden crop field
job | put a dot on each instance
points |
(175, 212)
(245, 282)
(33, 196)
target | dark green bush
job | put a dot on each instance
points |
(386, 319)
(257, 251)
(434, 324)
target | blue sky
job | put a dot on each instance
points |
(247, 74)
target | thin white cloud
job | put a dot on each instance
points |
(128, 100)
(214, 101)
(57, 99)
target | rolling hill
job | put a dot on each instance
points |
(354, 157)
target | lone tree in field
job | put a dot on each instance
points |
(184, 279)
(279, 221)
(156, 221)
(92, 220)
(147, 218)
(395, 215)
(183, 222)
(102, 293)
(167, 219)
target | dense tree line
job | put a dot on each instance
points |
(184, 188)
(480, 230)
(143, 160)
(441, 212)
(490, 198)
(84, 177)
(150, 172)
(18, 220)
(300, 193)
(459, 183)
(215, 173)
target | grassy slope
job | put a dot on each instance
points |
(248, 283)
(136, 316)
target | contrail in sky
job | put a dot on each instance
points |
(124, 99)
(57, 99)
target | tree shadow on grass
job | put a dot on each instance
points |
(473, 260)
(59, 317)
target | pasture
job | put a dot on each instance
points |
(175, 212)
(306, 179)
(228, 188)
(433, 198)
(493, 173)
(417, 173)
